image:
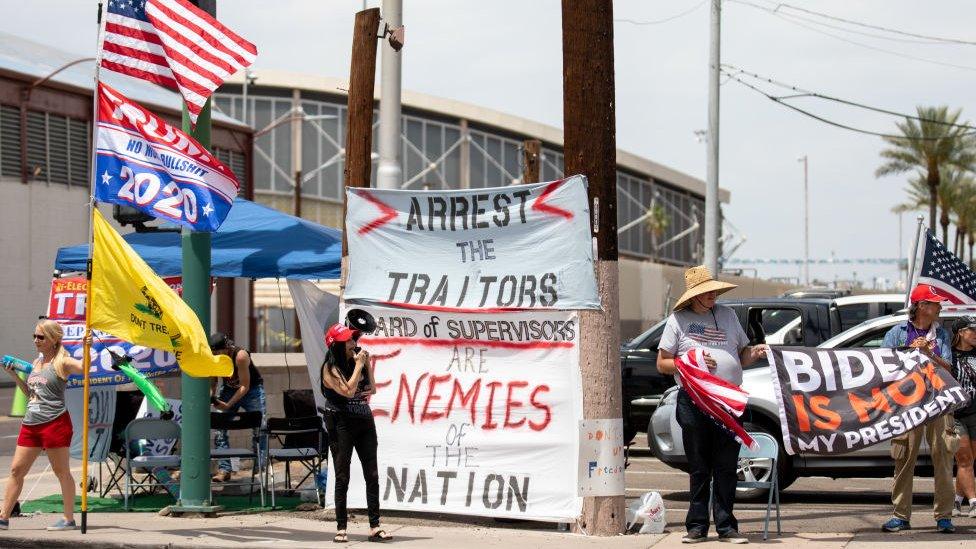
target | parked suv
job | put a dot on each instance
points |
(813, 321)
(762, 413)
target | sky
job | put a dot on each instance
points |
(506, 55)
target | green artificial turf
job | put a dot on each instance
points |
(150, 504)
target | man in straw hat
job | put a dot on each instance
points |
(697, 322)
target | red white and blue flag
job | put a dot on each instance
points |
(945, 272)
(705, 334)
(714, 396)
(174, 44)
(142, 161)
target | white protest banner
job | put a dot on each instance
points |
(518, 247)
(101, 414)
(476, 413)
(315, 307)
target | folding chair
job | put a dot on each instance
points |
(768, 450)
(302, 440)
(147, 429)
(114, 465)
(234, 422)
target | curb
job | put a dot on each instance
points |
(88, 541)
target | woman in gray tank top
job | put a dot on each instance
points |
(46, 424)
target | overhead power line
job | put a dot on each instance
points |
(793, 19)
(782, 101)
(780, 6)
(807, 93)
(665, 20)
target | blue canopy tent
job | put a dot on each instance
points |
(253, 242)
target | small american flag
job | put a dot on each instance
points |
(704, 334)
(174, 44)
(946, 273)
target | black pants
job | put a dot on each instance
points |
(346, 432)
(713, 456)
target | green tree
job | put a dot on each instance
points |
(929, 144)
(656, 223)
(964, 213)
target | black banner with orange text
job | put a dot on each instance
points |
(839, 401)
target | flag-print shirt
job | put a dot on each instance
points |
(964, 370)
(718, 332)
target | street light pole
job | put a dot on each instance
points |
(711, 186)
(195, 392)
(806, 222)
(388, 173)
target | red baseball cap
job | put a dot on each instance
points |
(924, 292)
(340, 332)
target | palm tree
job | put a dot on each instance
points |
(964, 210)
(930, 143)
(950, 199)
(656, 223)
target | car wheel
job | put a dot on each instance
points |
(752, 470)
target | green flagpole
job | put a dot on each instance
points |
(195, 392)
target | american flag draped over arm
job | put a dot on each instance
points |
(714, 396)
(944, 271)
(174, 44)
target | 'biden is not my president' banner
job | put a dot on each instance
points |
(838, 401)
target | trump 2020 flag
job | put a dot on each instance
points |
(144, 162)
(130, 301)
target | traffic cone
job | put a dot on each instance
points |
(19, 405)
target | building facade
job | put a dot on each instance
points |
(299, 136)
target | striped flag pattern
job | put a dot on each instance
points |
(714, 396)
(945, 272)
(174, 44)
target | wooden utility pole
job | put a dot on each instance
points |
(590, 149)
(531, 157)
(359, 127)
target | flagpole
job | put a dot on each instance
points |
(86, 347)
(913, 260)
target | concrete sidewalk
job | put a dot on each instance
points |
(139, 530)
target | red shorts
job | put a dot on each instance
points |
(52, 434)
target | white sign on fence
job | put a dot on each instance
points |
(518, 247)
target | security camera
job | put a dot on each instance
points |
(396, 36)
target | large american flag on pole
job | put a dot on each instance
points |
(174, 44)
(944, 271)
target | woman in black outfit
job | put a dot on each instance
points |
(346, 382)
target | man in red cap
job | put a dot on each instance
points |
(922, 331)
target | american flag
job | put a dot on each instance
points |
(946, 273)
(703, 334)
(715, 397)
(174, 44)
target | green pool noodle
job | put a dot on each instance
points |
(147, 387)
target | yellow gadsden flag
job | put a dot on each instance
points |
(129, 301)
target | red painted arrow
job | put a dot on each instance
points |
(387, 214)
(540, 205)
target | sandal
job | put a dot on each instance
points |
(380, 536)
(341, 537)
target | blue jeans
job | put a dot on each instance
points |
(253, 401)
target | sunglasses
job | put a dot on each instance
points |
(38, 337)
